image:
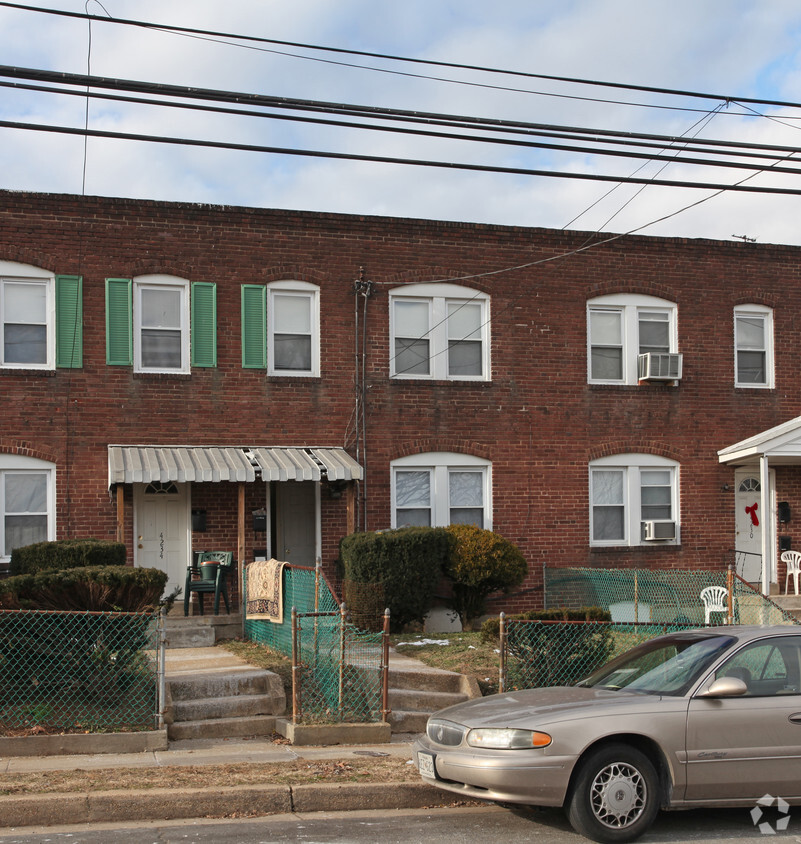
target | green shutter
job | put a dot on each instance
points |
(254, 326)
(204, 323)
(119, 328)
(69, 321)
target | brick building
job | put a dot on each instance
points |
(190, 377)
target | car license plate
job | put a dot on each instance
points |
(425, 764)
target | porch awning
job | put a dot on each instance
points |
(128, 464)
(781, 445)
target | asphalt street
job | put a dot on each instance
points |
(433, 826)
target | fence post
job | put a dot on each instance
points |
(342, 614)
(502, 666)
(385, 710)
(162, 672)
(730, 597)
(297, 714)
(636, 598)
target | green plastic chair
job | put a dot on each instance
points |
(202, 578)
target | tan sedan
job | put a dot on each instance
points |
(707, 717)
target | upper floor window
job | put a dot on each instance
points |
(148, 323)
(622, 327)
(633, 500)
(27, 502)
(753, 346)
(439, 489)
(280, 328)
(40, 318)
(439, 331)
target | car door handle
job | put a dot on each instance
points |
(796, 718)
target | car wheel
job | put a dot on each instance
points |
(615, 796)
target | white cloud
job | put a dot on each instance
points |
(730, 47)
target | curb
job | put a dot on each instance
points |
(168, 804)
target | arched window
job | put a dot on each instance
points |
(441, 488)
(633, 500)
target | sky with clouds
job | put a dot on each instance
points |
(730, 48)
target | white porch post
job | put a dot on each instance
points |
(767, 523)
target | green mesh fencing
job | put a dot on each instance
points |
(339, 674)
(77, 672)
(535, 654)
(339, 667)
(660, 597)
(303, 588)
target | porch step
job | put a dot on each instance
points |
(213, 694)
(791, 604)
(201, 631)
(421, 700)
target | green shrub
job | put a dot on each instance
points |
(66, 554)
(480, 562)
(406, 562)
(99, 588)
(490, 630)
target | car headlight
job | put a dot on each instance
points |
(507, 739)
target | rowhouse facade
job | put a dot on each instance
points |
(190, 377)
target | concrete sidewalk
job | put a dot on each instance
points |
(40, 810)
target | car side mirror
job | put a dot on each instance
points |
(725, 687)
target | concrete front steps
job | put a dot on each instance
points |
(791, 603)
(200, 631)
(416, 691)
(214, 694)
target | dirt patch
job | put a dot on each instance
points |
(358, 769)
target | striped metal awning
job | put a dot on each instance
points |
(131, 464)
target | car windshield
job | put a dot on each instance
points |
(668, 665)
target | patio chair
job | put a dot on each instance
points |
(714, 599)
(792, 559)
(209, 573)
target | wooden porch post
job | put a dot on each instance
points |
(240, 547)
(350, 503)
(120, 513)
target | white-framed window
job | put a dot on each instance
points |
(161, 324)
(27, 317)
(439, 332)
(293, 335)
(753, 346)
(621, 327)
(27, 502)
(626, 492)
(441, 488)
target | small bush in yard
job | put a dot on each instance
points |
(407, 563)
(66, 554)
(480, 562)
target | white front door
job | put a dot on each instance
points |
(296, 522)
(748, 520)
(161, 528)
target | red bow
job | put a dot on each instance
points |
(752, 513)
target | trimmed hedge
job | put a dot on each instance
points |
(97, 588)
(66, 554)
(407, 562)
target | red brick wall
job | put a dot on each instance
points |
(537, 420)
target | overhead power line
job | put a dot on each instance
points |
(381, 159)
(674, 92)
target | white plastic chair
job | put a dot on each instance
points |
(793, 561)
(715, 599)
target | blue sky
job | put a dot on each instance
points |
(730, 47)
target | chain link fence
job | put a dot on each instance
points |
(671, 597)
(339, 672)
(78, 672)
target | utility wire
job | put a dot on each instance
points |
(405, 59)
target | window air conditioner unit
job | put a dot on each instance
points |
(659, 366)
(656, 530)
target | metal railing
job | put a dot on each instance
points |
(80, 671)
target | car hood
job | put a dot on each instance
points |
(530, 708)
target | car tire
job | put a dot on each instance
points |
(615, 796)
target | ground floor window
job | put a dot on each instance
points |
(27, 503)
(633, 500)
(441, 488)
